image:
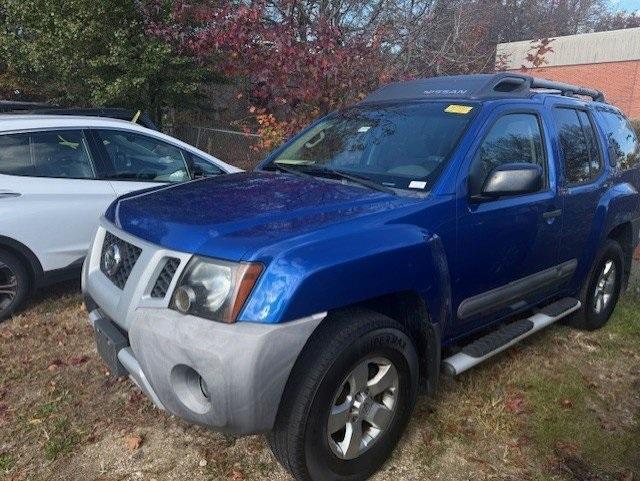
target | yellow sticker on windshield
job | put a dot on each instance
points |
(458, 109)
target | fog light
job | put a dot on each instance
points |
(184, 298)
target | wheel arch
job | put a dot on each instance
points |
(26, 255)
(410, 310)
(624, 235)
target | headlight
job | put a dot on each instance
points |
(215, 289)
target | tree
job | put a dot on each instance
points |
(96, 53)
(297, 63)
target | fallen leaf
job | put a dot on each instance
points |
(566, 403)
(133, 442)
(516, 404)
(607, 425)
(75, 360)
(236, 475)
(55, 364)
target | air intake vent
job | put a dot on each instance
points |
(161, 287)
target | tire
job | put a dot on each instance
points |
(597, 309)
(14, 284)
(325, 376)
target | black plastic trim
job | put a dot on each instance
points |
(502, 297)
(496, 339)
(71, 271)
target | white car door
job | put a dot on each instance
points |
(137, 161)
(50, 199)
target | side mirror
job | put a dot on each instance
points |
(512, 179)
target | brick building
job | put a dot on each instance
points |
(607, 61)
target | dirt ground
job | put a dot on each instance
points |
(564, 405)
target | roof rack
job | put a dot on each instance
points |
(38, 108)
(15, 105)
(480, 86)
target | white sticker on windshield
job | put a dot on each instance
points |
(417, 184)
(364, 129)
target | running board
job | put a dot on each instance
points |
(508, 335)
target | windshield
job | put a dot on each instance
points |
(400, 146)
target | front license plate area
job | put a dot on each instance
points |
(110, 341)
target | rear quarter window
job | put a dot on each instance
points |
(624, 150)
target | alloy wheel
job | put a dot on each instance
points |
(8, 285)
(605, 287)
(363, 407)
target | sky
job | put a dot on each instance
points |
(628, 5)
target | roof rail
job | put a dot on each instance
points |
(567, 89)
(36, 108)
(480, 86)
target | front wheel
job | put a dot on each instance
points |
(348, 399)
(602, 288)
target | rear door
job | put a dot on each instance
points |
(134, 161)
(50, 198)
(507, 248)
(582, 182)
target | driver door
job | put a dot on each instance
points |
(133, 161)
(507, 247)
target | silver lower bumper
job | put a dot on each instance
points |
(229, 377)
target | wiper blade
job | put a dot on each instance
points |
(288, 170)
(364, 181)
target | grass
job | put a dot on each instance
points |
(561, 406)
(572, 411)
(63, 438)
(6, 462)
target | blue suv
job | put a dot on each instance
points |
(419, 232)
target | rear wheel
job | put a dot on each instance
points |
(14, 284)
(348, 399)
(602, 288)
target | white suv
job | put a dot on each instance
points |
(58, 174)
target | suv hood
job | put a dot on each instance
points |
(233, 216)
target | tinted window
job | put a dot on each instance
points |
(202, 167)
(391, 145)
(622, 140)
(513, 138)
(139, 157)
(578, 145)
(15, 158)
(60, 154)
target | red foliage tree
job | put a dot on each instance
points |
(295, 67)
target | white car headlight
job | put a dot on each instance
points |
(215, 289)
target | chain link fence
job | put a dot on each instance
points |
(232, 146)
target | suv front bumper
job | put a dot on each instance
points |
(229, 377)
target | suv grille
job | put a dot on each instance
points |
(161, 287)
(117, 259)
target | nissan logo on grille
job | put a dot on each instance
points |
(111, 259)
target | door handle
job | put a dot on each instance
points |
(552, 214)
(5, 194)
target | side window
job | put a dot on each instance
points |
(623, 143)
(59, 154)
(62, 153)
(139, 157)
(513, 138)
(204, 168)
(15, 157)
(578, 144)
